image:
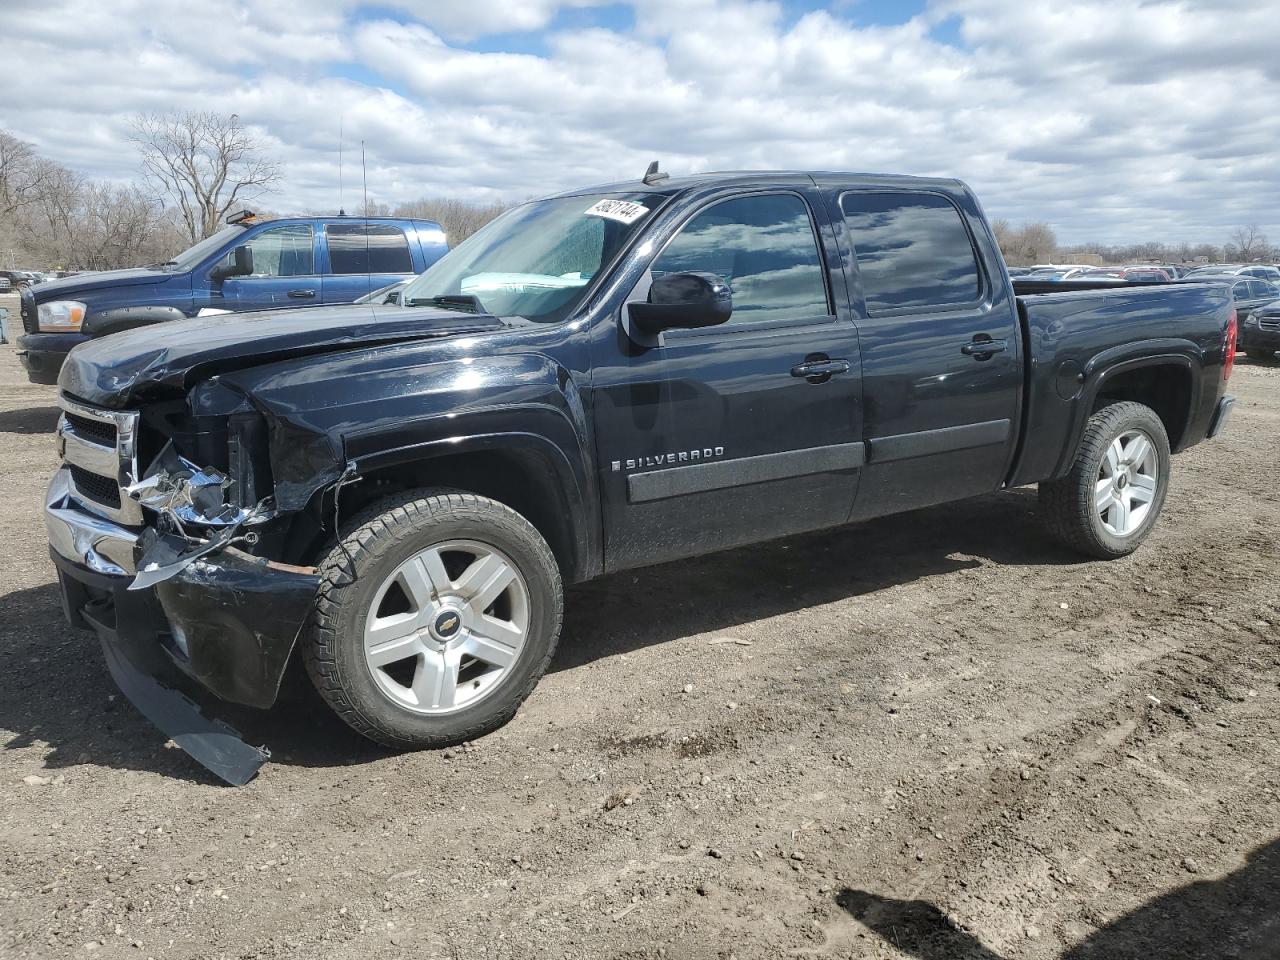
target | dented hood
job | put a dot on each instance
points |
(166, 359)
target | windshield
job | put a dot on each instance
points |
(535, 261)
(193, 255)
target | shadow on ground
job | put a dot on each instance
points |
(720, 591)
(1234, 918)
(610, 616)
(29, 420)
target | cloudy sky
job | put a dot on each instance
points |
(1117, 120)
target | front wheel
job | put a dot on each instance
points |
(1259, 354)
(435, 618)
(1109, 502)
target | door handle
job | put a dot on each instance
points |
(819, 371)
(983, 349)
(302, 294)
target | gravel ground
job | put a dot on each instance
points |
(933, 736)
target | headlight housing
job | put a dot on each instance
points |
(60, 316)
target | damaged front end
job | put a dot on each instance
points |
(185, 585)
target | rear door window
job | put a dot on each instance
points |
(913, 251)
(367, 248)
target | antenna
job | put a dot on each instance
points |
(341, 211)
(654, 175)
(364, 180)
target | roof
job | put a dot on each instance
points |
(673, 185)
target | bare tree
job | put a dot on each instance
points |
(24, 175)
(1030, 243)
(1250, 243)
(459, 218)
(207, 163)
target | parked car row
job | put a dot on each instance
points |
(1144, 272)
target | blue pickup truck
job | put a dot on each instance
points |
(250, 264)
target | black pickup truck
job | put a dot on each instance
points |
(396, 493)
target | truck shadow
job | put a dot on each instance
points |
(623, 612)
(1234, 916)
(30, 420)
(639, 608)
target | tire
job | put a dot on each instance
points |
(1111, 521)
(430, 561)
(1259, 354)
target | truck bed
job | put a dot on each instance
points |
(1074, 328)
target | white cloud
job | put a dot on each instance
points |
(1119, 120)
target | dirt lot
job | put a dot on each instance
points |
(934, 736)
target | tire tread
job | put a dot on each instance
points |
(372, 528)
(1066, 504)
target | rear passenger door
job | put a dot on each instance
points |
(363, 257)
(941, 357)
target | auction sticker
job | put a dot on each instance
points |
(624, 211)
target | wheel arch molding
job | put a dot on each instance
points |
(539, 473)
(1169, 381)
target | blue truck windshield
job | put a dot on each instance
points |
(192, 256)
(536, 261)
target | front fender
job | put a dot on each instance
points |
(354, 413)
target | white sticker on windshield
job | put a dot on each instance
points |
(624, 211)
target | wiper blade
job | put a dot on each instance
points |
(463, 302)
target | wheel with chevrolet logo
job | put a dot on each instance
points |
(436, 616)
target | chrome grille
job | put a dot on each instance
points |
(100, 448)
(94, 430)
(1269, 323)
(101, 490)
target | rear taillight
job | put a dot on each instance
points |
(1229, 346)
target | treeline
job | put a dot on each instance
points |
(1036, 243)
(53, 218)
(458, 218)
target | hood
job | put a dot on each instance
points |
(60, 289)
(165, 360)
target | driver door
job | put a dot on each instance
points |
(716, 437)
(284, 271)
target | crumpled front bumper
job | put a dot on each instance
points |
(228, 620)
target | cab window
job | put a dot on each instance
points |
(764, 247)
(284, 251)
(913, 251)
(367, 248)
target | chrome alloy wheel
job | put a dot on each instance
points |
(1127, 483)
(446, 627)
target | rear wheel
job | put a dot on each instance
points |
(1109, 502)
(435, 618)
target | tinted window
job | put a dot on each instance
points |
(764, 248)
(367, 248)
(1240, 291)
(286, 251)
(912, 250)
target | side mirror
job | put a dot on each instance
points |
(682, 301)
(241, 264)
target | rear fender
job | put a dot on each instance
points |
(1110, 364)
